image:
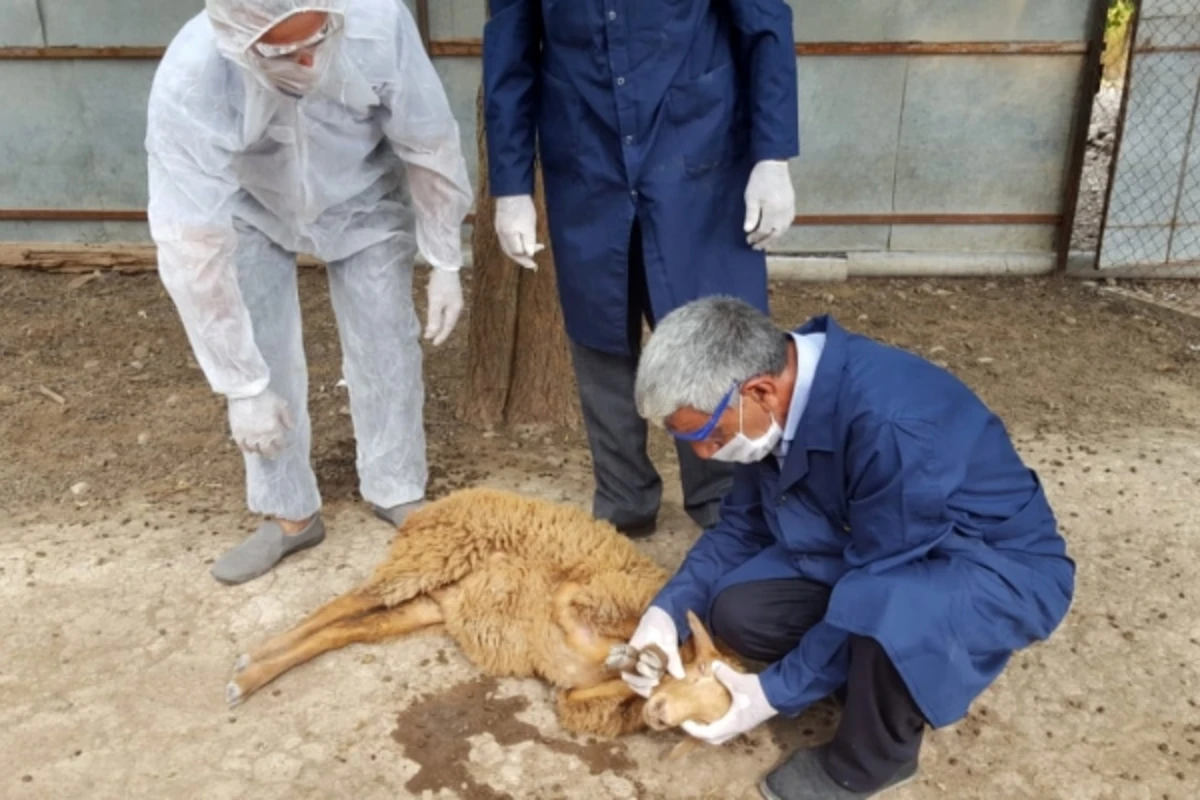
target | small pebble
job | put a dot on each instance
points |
(79, 488)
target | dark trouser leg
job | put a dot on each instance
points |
(704, 483)
(881, 728)
(628, 488)
(764, 620)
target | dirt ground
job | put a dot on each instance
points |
(119, 487)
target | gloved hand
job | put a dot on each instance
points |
(770, 203)
(656, 628)
(516, 225)
(445, 304)
(749, 710)
(259, 424)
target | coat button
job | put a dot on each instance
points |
(612, 15)
(620, 81)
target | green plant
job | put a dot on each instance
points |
(1120, 13)
(1116, 38)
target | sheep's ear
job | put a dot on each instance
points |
(706, 651)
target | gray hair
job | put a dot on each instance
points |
(700, 350)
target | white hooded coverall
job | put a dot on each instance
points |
(361, 172)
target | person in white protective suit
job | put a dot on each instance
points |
(278, 127)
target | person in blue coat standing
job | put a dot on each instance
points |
(663, 128)
(883, 541)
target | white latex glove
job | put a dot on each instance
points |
(657, 628)
(770, 203)
(260, 423)
(749, 710)
(445, 304)
(516, 225)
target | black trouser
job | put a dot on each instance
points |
(881, 727)
(628, 488)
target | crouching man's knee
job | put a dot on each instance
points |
(764, 620)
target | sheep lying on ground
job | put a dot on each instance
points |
(525, 588)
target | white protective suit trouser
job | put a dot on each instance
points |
(378, 327)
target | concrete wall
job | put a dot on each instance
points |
(880, 134)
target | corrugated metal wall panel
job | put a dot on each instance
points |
(456, 19)
(985, 134)
(461, 78)
(77, 141)
(839, 173)
(111, 23)
(880, 133)
(20, 24)
(938, 20)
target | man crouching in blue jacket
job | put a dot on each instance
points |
(882, 540)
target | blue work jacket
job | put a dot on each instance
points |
(654, 110)
(903, 492)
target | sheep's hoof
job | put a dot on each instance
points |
(242, 662)
(621, 658)
(233, 695)
(652, 662)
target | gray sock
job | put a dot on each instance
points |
(264, 549)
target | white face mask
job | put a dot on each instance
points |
(741, 449)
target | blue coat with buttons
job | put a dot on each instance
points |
(648, 109)
(902, 491)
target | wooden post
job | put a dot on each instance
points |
(518, 365)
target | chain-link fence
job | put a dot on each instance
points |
(1151, 219)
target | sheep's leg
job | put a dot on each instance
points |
(607, 709)
(348, 606)
(373, 627)
(609, 690)
(582, 638)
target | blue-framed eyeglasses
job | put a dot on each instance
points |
(703, 433)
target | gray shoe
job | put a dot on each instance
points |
(264, 549)
(396, 514)
(803, 777)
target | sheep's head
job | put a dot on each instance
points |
(698, 696)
